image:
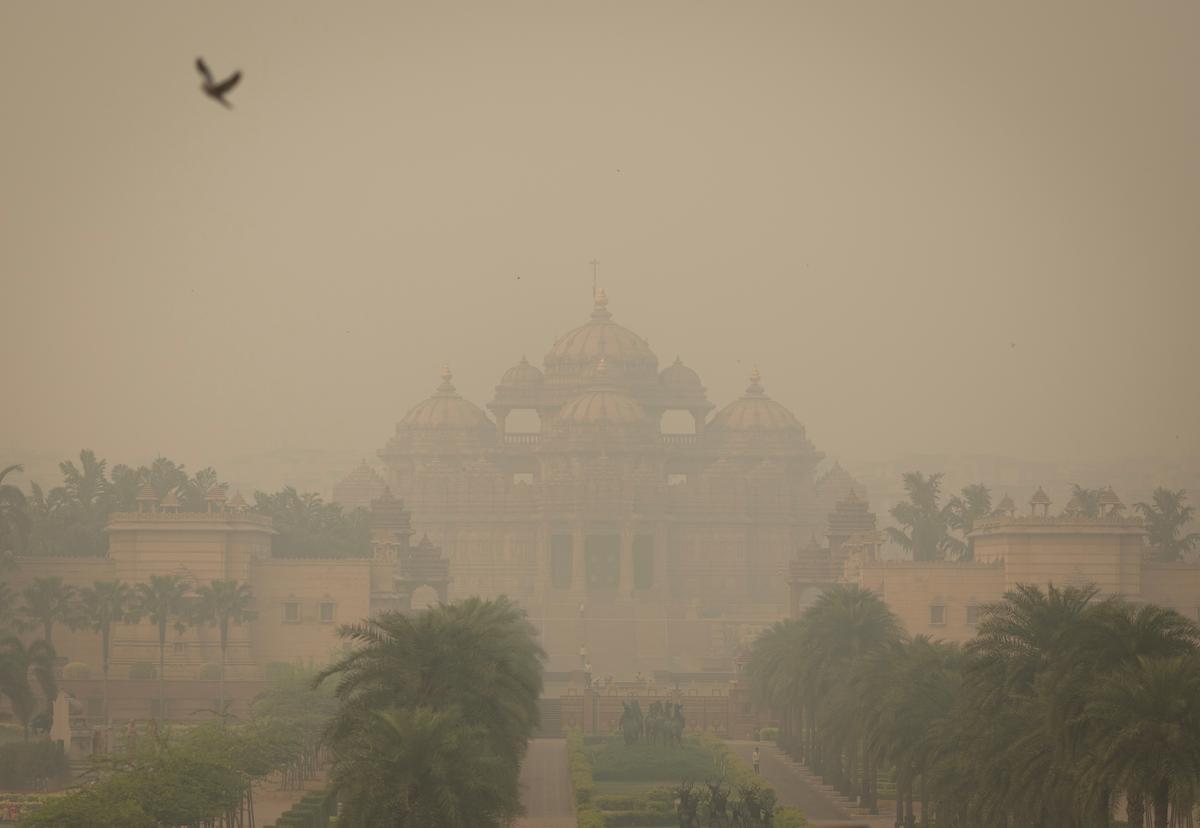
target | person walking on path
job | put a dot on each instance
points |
(755, 760)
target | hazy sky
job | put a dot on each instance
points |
(934, 226)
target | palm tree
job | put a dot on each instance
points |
(104, 604)
(162, 601)
(963, 510)
(1085, 502)
(923, 521)
(463, 668)
(14, 518)
(222, 603)
(1166, 517)
(48, 601)
(1147, 722)
(424, 768)
(16, 663)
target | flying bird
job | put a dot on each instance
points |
(214, 90)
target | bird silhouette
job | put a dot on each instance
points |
(214, 90)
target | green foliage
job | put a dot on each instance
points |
(1062, 703)
(15, 522)
(768, 734)
(1166, 517)
(200, 774)
(20, 667)
(69, 519)
(308, 527)
(436, 710)
(580, 765)
(924, 522)
(45, 602)
(26, 765)
(615, 760)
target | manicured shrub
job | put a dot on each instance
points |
(769, 734)
(614, 760)
(579, 763)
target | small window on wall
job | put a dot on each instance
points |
(327, 612)
(177, 648)
(972, 615)
(291, 612)
(937, 615)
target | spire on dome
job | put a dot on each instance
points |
(600, 301)
(755, 388)
(446, 387)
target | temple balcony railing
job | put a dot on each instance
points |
(678, 440)
(522, 439)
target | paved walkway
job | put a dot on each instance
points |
(791, 788)
(546, 786)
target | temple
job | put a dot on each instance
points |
(604, 492)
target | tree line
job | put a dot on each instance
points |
(931, 529)
(201, 775)
(1064, 707)
(167, 601)
(69, 519)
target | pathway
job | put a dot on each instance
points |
(546, 786)
(796, 787)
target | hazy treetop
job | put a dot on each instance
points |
(934, 226)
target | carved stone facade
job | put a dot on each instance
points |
(577, 491)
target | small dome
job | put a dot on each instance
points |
(1040, 497)
(755, 411)
(170, 500)
(216, 492)
(602, 404)
(446, 409)
(146, 492)
(522, 375)
(679, 378)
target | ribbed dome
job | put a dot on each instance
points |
(522, 375)
(601, 338)
(446, 409)
(602, 404)
(679, 378)
(755, 411)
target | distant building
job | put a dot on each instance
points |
(942, 598)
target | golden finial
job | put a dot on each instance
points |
(601, 298)
(602, 368)
(755, 375)
(446, 375)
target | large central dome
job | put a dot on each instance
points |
(576, 352)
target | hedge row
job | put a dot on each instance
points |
(582, 785)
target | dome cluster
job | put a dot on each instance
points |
(602, 376)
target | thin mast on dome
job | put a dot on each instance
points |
(594, 263)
